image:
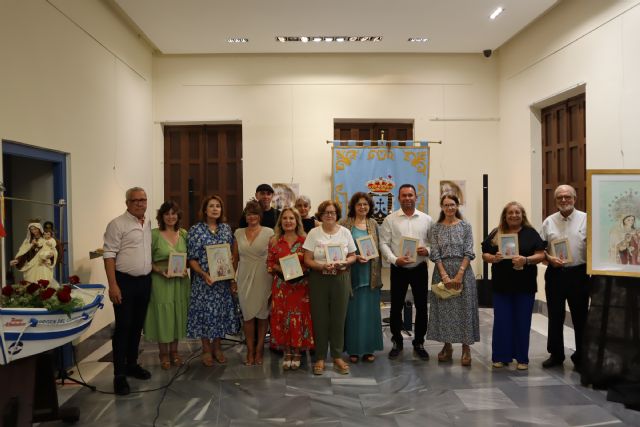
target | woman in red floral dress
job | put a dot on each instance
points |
(291, 328)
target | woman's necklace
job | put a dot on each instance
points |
(328, 234)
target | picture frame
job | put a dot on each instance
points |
(367, 247)
(291, 268)
(508, 245)
(613, 222)
(334, 253)
(220, 262)
(560, 248)
(409, 247)
(177, 264)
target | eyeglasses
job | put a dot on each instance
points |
(138, 200)
(330, 213)
(449, 206)
(564, 197)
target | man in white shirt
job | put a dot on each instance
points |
(127, 262)
(407, 222)
(566, 281)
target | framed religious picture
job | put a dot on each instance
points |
(291, 267)
(177, 264)
(613, 224)
(409, 248)
(560, 248)
(508, 245)
(334, 254)
(220, 262)
(367, 247)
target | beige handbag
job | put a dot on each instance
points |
(441, 291)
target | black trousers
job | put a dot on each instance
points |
(401, 278)
(570, 285)
(130, 315)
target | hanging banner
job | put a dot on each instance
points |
(379, 170)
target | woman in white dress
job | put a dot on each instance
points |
(250, 251)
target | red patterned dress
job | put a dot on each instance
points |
(290, 311)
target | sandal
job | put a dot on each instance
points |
(295, 362)
(176, 360)
(219, 355)
(207, 359)
(353, 358)
(369, 358)
(446, 354)
(250, 360)
(286, 362)
(465, 360)
(318, 367)
(259, 357)
(165, 363)
(340, 366)
(498, 365)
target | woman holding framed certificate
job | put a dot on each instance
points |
(514, 284)
(363, 334)
(330, 284)
(166, 321)
(453, 320)
(291, 327)
(212, 309)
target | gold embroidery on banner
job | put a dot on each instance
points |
(417, 160)
(422, 197)
(341, 196)
(383, 154)
(344, 158)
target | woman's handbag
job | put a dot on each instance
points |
(441, 291)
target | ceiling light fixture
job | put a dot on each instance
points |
(328, 39)
(237, 40)
(418, 39)
(496, 12)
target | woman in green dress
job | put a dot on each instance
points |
(166, 321)
(363, 331)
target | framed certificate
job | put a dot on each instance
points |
(560, 248)
(220, 262)
(508, 245)
(367, 247)
(177, 264)
(291, 267)
(334, 254)
(409, 248)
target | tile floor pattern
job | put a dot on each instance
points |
(404, 392)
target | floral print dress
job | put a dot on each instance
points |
(290, 312)
(213, 311)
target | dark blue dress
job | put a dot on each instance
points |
(212, 309)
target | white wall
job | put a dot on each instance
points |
(287, 105)
(580, 42)
(75, 79)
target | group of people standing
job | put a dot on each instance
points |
(334, 307)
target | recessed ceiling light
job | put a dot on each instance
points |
(340, 39)
(496, 12)
(317, 39)
(328, 39)
(304, 39)
(281, 39)
(418, 39)
(237, 40)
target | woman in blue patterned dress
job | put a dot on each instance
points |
(453, 320)
(212, 309)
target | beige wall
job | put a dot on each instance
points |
(76, 80)
(587, 45)
(287, 105)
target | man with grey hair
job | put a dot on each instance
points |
(127, 262)
(566, 281)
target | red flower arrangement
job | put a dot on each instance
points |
(40, 295)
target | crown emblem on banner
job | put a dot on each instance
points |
(381, 185)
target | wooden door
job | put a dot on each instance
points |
(564, 151)
(201, 160)
(373, 131)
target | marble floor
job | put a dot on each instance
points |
(403, 392)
